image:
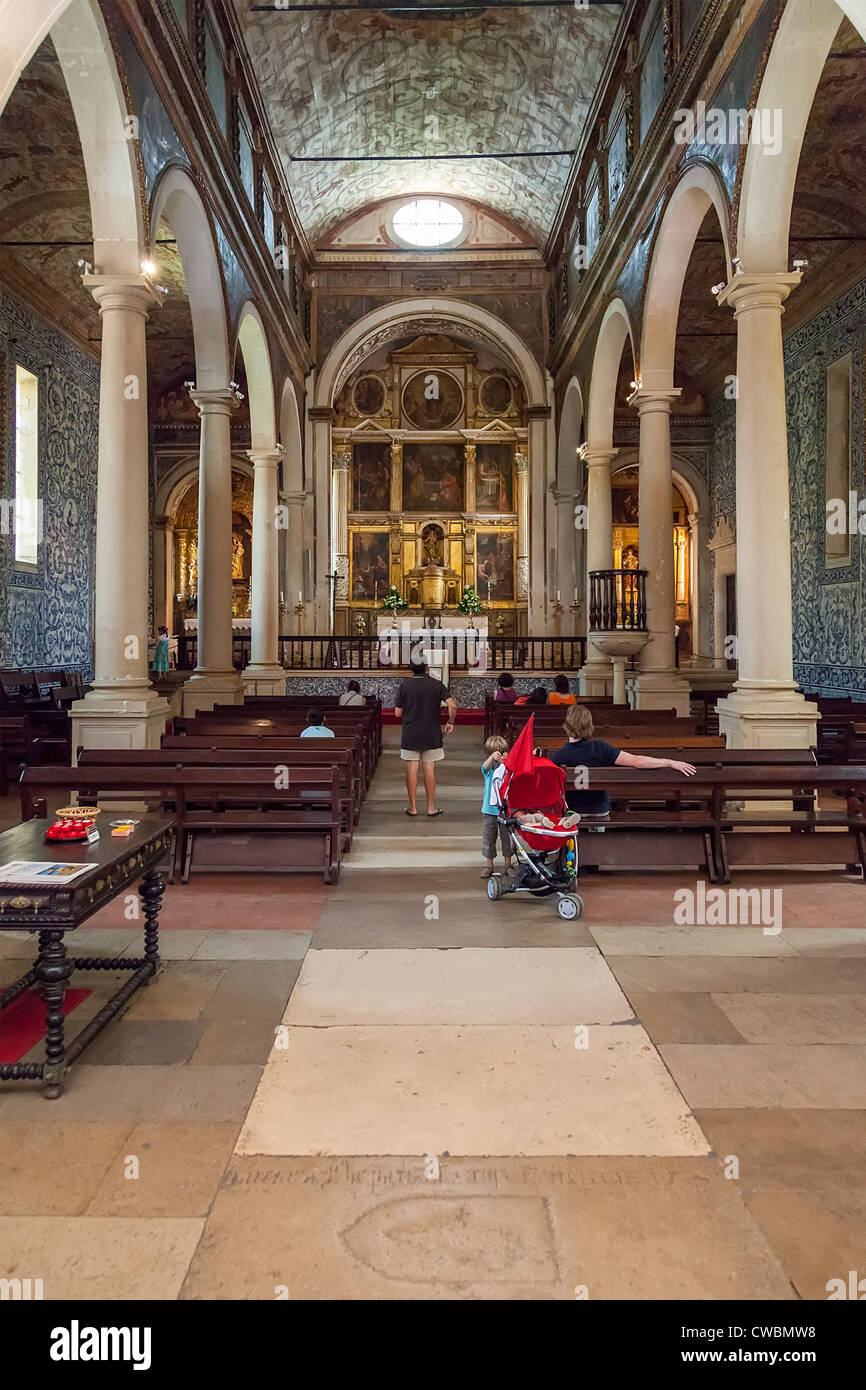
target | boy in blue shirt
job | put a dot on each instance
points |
(493, 772)
(316, 727)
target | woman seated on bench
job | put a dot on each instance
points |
(582, 750)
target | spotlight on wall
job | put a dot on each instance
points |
(717, 289)
(148, 267)
(85, 266)
(800, 262)
(735, 260)
(189, 385)
(635, 386)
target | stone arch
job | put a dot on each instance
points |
(696, 493)
(765, 192)
(613, 331)
(78, 32)
(694, 194)
(392, 320)
(290, 438)
(177, 198)
(253, 344)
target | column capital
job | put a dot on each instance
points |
(645, 401)
(759, 290)
(521, 461)
(164, 523)
(221, 400)
(341, 455)
(597, 455)
(266, 458)
(135, 293)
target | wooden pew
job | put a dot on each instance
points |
(262, 826)
(299, 704)
(342, 759)
(274, 746)
(217, 726)
(716, 835)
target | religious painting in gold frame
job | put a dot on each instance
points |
(494, 482)
(370, 565)
(494, 565)
(371, 476)
(432, 400)
(433, 476)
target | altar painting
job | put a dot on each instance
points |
(433, 476)
(370, 564)
(494, 485)
(494, 565)
(371, 476)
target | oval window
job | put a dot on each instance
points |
(428, 222)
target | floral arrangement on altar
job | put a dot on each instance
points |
(470, 602)
(394, 602)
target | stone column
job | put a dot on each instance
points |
(340, 457)
(295, 503)
(318, 616)
(595, 674)
(700, 581)
(122, 710)
(163, 571)
(566, 554)
(521, 503)
(658, 685)
(764, 710)
(214, 681)
(265, 675)
(538, 430)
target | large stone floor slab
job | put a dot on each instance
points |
(93, 1257)
(434, 1090)
(809, 1077)
(715, 975)
(684, 1018)
(485, 1228)
(689, 941)
(178, 1172)
(212, 1093)
(80, 1153)
(465, 986)
(797, 1018)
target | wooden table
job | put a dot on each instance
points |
(58, 908)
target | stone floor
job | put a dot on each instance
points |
(397, 1089)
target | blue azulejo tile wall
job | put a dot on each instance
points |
(828, 601)
(47, 613)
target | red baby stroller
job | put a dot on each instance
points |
(546, 858)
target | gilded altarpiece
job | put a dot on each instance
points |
(434, 444)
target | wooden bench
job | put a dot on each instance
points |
(273, 826)
(343, 760)
(714, 834)
(299, 704)
(273, 745)
(217, 727)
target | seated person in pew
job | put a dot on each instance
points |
(352, 695)
(316, 726)
(582, 750)
(560, 694)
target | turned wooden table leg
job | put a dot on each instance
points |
(150, 891)
(54, 970)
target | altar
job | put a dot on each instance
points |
(241, 627)
(450, 642)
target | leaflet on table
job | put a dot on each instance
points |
(32, 872)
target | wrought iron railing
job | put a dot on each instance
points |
(372, 654)
(617, 600)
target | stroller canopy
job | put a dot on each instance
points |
(542, 789)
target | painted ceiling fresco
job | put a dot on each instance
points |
(371, 83)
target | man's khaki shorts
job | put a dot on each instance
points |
(425, 755)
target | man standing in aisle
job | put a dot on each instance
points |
(419, 703)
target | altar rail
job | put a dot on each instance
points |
(364, 654)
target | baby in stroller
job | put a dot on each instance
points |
(542, 831)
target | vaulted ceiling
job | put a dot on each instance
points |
(370, 83)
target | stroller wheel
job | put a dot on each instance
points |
(494, 887)
(570, 906)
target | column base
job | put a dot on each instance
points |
(767, 716)
(204, 689)
(661, 690)
(106, 720)
(596, 678)
(263, 679)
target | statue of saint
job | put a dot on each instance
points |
(192, 571)
(237, 557)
